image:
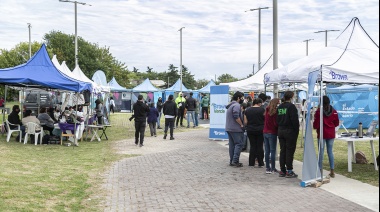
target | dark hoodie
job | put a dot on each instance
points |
(140, 111)
(330, 121)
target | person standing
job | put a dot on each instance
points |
(304, 109)
(159, 109)
(112, 105)
(196, 112)
(2, 101)
(190, 107)
(99, 111)
(170, 111)
(254, 120)
(205, 102)
(288, 130)
(180, 101)
(235, 128)
(140, 111)
(270, 136)
(330, 121)
(14, 118)
(152, 119)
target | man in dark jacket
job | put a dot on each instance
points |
(159, 108)
(288, 129)
(140, 111)
(14, 119)
(190, 106)
(170, 111)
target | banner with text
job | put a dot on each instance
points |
(218, 102)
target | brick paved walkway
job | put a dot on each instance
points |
(192, 173)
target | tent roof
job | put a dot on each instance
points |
(100, 78)
(40, 72)
(145, 86)
(114, 86)
(352, 88)
(353, 57)
(206, 89)
(177, 87)
(255, 82)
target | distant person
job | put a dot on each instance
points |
(51, 114)
(14, 118)
(2, 104)
(254, 120)
(140, 112)
(235, 128)
(190, 107)
(98, 110)
(170, 111)
(263, 97)
(112, 105)
(159, 109)
(180, 101)
(270, 136)
(288, 130)
(330, 121)
(196, 112)
(304, 108)
(152, 119)
(249, 101)
(205, 103)
(46, 121)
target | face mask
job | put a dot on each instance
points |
(241, 101)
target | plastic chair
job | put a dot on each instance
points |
(31, 129)
(10, 131)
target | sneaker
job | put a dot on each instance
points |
(291, 174)
(165, 136)
(194, 126)
(236, 164)
(268, 171)
(155, 135)
(136, 143)
(159, 128)
(141, 145)
(188, 127)
(171, 138)
(274, 170)
(281, 174)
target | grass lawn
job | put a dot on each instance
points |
(61, 178)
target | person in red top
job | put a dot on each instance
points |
(330, 121)
(270, 135)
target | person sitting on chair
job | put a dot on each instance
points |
(14, 118)
(30, 118)
(46, 121)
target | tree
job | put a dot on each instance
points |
(226, 78)
(201, 83)
(188, 78)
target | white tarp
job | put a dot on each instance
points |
(352, 57)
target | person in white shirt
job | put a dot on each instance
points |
(112, 105)
(30, 118)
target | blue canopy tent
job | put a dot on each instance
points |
(121, 95)
(146, 89)
(39, 72)
(206, 89)
(175, 88)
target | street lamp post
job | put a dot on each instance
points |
(259, 56)
(325, 31)
(275, 44)
(307, 46)
(30, 45)
(76, 31)
(180, 68)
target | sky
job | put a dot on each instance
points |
(218, 37)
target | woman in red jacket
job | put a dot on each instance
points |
(330, 121)
(270, 135)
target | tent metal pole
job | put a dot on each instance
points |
(5, 101)
(321, 143)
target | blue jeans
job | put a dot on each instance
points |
(329, 143)
(196, 119)
(192, 117)
(159, 119)
(235, 142)
(270, 142)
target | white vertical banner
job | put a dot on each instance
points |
(218, 102)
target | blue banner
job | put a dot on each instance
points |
(218, 102)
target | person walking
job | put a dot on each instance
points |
(170, 111)
(330, 121)
(254, 120)
(112, 105)
(152, 119)
(180, 101)
(288, 130)
(270, 136)
(205, 102)
(159, 109)
(140, 111)
(235, 128)
(190, 107)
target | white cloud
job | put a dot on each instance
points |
(219, 37)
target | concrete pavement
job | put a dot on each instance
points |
(191, 173)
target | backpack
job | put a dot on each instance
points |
(45, 139)
(360, 158)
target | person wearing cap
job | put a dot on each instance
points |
(190, 106)
(180, 101)
(140, 111)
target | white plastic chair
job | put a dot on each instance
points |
(31, 130)
(10, 131)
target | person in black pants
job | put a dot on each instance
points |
(288, 130)
(170, 111)
(140, 110)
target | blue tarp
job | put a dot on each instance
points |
(114, 86)
(40, 72)
(206, 89)
(145, 86)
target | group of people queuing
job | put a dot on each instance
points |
(174, 111)
(264, 120)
